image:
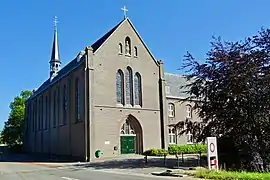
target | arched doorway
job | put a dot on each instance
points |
(131, 140)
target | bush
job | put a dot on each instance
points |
(230, 175)
(155, 152)
(187, 149)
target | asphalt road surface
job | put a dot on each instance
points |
(26, 171)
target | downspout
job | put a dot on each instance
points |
(86, 109)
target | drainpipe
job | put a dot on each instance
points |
(86, 105)
(88, 109)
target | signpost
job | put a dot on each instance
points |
(212, 156)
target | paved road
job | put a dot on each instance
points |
(25, 171)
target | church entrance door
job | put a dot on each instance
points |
(128, 144)
(131, 137)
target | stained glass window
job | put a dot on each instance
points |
(138, 89)
(120, 87)
(129, 86)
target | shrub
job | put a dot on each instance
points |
(155, 152)
(187, 149)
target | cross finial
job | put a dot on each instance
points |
(125, 11)
(55, 22)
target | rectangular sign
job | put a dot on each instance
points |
(212, 155)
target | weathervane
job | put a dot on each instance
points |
(125, 11)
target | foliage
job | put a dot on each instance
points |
(155, 152)
(230, 175)
(180, 149)
(187, 149)
(231, 92)
(1, 139)
(13, 128)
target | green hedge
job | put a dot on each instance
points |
(180, 149)
(188, 149)
(155, 152)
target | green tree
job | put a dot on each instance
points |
(13, 128)
(1, 140)
(232, 93)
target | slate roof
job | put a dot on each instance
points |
(73, 64)
(101, 40)
(174, 82)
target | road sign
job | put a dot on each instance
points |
(212, 155)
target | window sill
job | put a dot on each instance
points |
(137, 106)
(128, 55)
(120, 53)
(190, 143)
(171, 116)
(119, 105)
(128, 105)
(135, 56)
(172, 143)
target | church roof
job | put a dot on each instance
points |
(73, 64)
(101, 40)
(174, 83)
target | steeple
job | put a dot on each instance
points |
(55, 62)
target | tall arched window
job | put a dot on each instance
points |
(120, 50)
(64, 105)
(135, 51)
(54, 109)
(129, 86)
(120, 87)
(77, 100)
(46, 113)
(128, 46)
(138, 89)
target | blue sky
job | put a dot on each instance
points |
(169, 28)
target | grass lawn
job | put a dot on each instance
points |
(229, 175)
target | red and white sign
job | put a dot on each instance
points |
(212, 155)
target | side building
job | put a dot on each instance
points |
(113, 96)
(178, 108)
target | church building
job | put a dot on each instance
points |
(114, 96)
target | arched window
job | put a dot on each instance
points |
(77, 100)
(189, 111)
(127, 129)
(135, 51)
(138, 89)
(127, 46)
(54, 108)
(46, 113)
(120, 50)
(120, 87)
(171, 110)
(129, 86)
(65, 104)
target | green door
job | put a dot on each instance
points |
(127, 144)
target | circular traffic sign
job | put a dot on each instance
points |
(212, 147)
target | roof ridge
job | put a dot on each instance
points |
(173, 74)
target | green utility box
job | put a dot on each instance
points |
(98, 154)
